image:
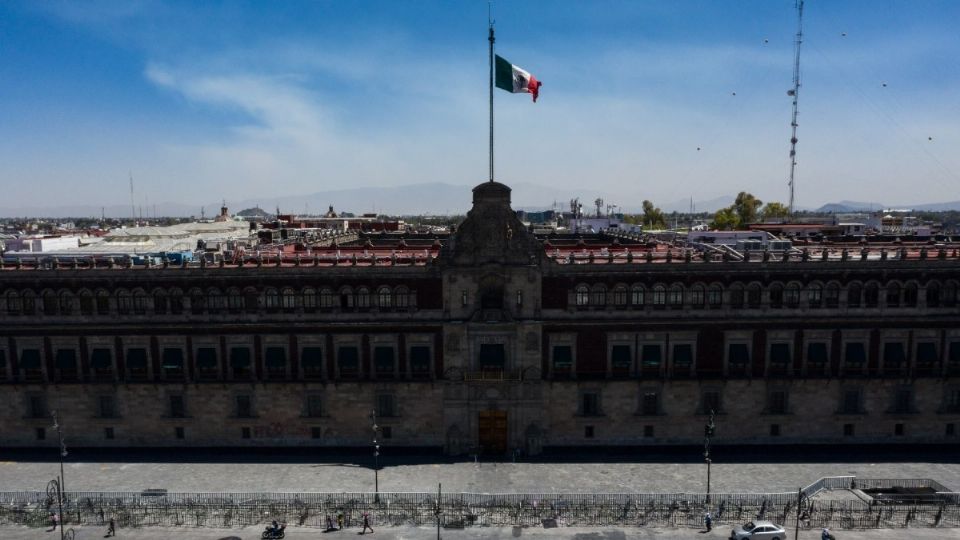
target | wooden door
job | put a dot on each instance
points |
(493, 432)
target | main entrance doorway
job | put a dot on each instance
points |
(493, 432)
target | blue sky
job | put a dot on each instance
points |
(206, 100)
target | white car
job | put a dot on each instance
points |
(758, 530)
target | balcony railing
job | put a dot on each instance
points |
(492, 375)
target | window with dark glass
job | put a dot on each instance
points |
(562, 357)
(902, 401)
(817, 356)
(66, 363)
(108, 433)
(106, 407)
(648, 431)
(206, 362)
(3, 362)
(348, 360)
(696, 296)
(854, 294)
(715, 296)
(780, 354)
(815, 296)
(38, 406)
(86, 303)
(275, 359)
(240, 362)
(753, 296)
(953, 355)
(850, 403)
(894, 356)
(244, 406)
(898, 430)
(736, 297)
(927, 356)
(314, 405)
(312, 360)
(738, 355)
(682, 357)
(386, 405)
(136, 361)
(951, 400)
(776, 296)
(777, 402)
(101, 360)
(856, 354)
(172, 361)
(420, 359)
(871, 295)
(590, 404)
(933, 295)
(384, 360)
(178, 432)
(650, 403)
(848, 430)
(774, 430)
(710, 402)
(651, 357)
(910, 294)
(620, 357)
(30, 362)
(176, 302)
(492, 357)
(832, 296)
(41, 434)
(177, 407)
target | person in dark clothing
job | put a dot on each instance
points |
(112, 528)
(366, 523)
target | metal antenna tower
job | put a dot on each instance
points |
(133, 207)
(795, 94)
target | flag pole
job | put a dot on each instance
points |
(491, 39)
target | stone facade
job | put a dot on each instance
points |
(495, 345)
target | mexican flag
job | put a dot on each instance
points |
(516, 80)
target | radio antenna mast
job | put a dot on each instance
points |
(795, 94)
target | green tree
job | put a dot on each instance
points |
(726, 219)
(653, 216)
(775, 210)
(746, 207)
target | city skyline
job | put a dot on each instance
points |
(202, 102)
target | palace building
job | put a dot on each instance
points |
(489, 340)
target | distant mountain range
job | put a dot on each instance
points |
(428, 199)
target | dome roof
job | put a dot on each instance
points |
(492, 191)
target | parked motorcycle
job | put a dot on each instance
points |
(271, 534)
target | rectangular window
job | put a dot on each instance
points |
(172, 362)
(178, 432)
(101, 362)
(386, 432)
(777, 402)
(177, 407)
(927, 356)
(41, 433)
(66, 364)
(275, 359)
(851, 402)
(384, 361)
(950, 430)
(244, 433)
(38, 407)
(848, 430)
(240, 363)
(590, 404)
(651, 358)
(207, 363)
(710, 402)
(898, 430)
(817, 358)
(30, 364)
(648, 431)
(316, 433)
(650, 403)
(902, 401)
(136, 363)
(951, 400)
(348, 360)
(106, 407)
(682, 358)
(420, 360)
(780, 354)
(562, 357)
(386, 406)
(620, 357)
(738, 358)
(314, 405)
(588, 432)
(108, 433)
(855, 355)
(244, 407)
(894, 356)
(311, 358)
(774, 430)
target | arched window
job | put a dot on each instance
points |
(271, 299)
(950, 294)
(159, 302)
(327, 298)
(216, 302)
(675, 296)
(234, 300)
(893, 294)
(309, 299)
(289, 299)
(124, 302)
(754, 295)
(871, 294)
(50, 303)
(637, 295)
(139, 301)
(86, 302)
(176, 301)
(401, 297)
(854, 295)
(910, 295)
(103, 302)
(14, 306)
(832, 296)
(933, 294)
(736, 296)
(715, 296)
(198, 301)
(67, 303)
(776, 295)
(251, 300)
(620, 295)
(347, 299)
(791, 295)
(582, 294)
(815, 295)
(363, 298)
(384, 297)
(696, 296)
(598, 295)
(659, 296)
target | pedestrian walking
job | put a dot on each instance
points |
(54, 520)
(330, 526)
(366, 523)
(708, 520)
(112, 528)
(340, 520)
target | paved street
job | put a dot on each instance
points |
(179, 471)
(426, 533)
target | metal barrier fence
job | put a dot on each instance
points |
(227, 510)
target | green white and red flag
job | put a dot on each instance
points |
(515, 79)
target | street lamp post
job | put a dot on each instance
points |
(708, 431)
(61, 483)
(437, 511)
(376, 458)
